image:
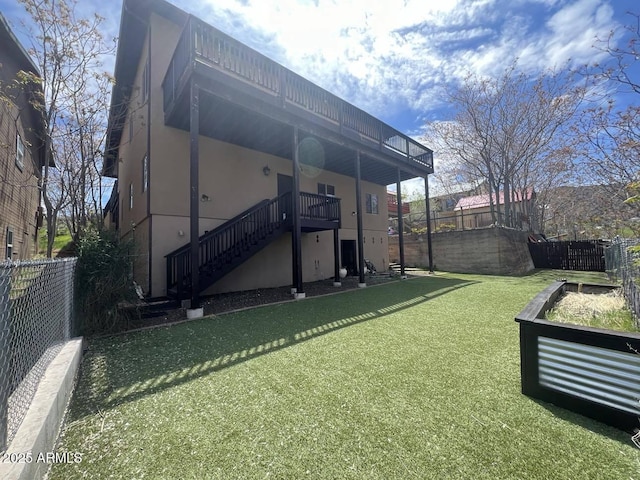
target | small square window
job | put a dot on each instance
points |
(19, 152)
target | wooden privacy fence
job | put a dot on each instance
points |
(583, 255)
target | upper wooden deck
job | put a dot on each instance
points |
(240, 75)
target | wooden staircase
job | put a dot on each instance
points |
(229, 245)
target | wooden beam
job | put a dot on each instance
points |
(428, 210)
(400, 222)
(361, 282)
(296, 233)
(336, 258)
(194, 177)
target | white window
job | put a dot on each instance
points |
(9, 244)
(130, 196)
(325, 189)
(19, 152)
(372, 203)
(145, 81)
(145, 173)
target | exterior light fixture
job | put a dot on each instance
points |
(266, 170)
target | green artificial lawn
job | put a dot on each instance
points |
(414, 379)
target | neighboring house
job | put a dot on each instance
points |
(283, 181)
(392, 205)
(21, 150)
(475, 211)
(441, 208)
(447, 202)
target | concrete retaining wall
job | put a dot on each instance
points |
(31, 452)
(496, 251)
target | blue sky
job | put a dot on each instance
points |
(395, 58)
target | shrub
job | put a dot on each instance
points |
(103, 282)
(445, 227)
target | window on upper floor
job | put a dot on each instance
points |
(325, 189)
(145, 172)
(146, 81)
(372, 203)
(19, 152)
(130, 196)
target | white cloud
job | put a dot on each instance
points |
(392, 56)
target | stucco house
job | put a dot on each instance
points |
(21, 149)
(226, 160)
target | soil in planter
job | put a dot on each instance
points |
(594, 310)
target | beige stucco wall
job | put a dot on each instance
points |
(232, 180)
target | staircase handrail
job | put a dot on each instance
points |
(211, 233)
(260, 211)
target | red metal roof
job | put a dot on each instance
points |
(479, 201)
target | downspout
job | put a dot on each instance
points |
(150, 243)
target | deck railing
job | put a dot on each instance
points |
(319, 207)
(230, 240)
(206, 45)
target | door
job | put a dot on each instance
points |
(349, 256)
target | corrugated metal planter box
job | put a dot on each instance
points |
(591, 371)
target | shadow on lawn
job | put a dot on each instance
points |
(125, 368)
(586, 422)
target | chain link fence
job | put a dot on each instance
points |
(36, 310)
(623, 265)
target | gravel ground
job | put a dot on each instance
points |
(160, 313)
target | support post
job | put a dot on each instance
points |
(296, 233)
(400, 224)
(361, 282)
(428, 210)
(194, 211)
(336, 259)
(5, 353)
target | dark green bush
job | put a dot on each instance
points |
(104, 283)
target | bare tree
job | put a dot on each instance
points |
(69, 52)
(610, 129)
(508, 131)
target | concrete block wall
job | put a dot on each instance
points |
(494, 251)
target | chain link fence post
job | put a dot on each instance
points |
(68, 298)
(5, 354)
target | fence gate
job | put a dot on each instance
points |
(582, 255)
